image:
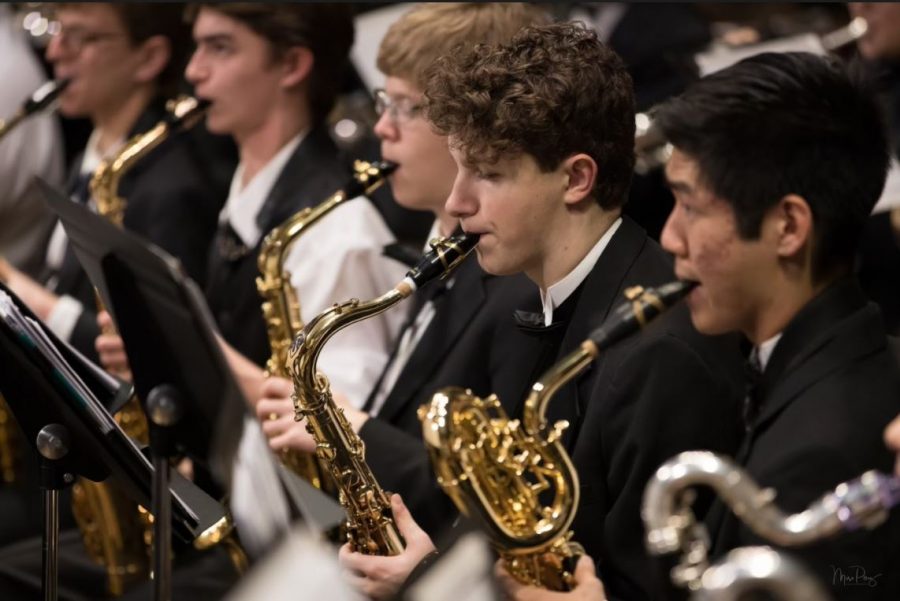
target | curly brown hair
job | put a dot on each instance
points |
(553, 91)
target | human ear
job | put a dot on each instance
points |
(581, 173)
(297, 64)
(154, 54)
(794, 225)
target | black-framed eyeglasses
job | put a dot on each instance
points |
(76, 39)
(400, 110)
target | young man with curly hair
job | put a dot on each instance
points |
(542, 131)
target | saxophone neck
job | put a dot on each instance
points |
(551, 381)
(304, 352)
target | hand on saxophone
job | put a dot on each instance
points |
(275, 411)
(381, 577)
(111, 349)
(588, 587)
(892, 439)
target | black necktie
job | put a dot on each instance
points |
(752, 379)
(229, 244)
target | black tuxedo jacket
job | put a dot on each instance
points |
(665, 390)
(829, 389)
(312, 173)
(471, 342)
(172, 201)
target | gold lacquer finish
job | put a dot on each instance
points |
(516, 477)
(10, 445)
(281, 308)
(370, 527)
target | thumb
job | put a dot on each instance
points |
(584, 569)
(408, 527)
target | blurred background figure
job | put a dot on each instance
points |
(33, 148)
(879, 260)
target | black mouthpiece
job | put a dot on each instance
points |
(375, 172)
(442, 259)
(638, 311)
(45, 95)
(185, 120)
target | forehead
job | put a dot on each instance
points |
(89, 15)
(211, 22)
(682, 169)
(399, 87)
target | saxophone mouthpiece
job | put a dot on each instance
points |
(45, 95)
(184, 111)
(445, 255)
(367, 177)
(641, 307)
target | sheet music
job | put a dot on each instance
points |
(33, 333)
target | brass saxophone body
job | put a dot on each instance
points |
(116, 531)
(10, 438)
(672, 527)
(516, 477)
(369, 525)
(281, 308)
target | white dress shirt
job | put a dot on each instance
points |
(557, 294)
(68, 310)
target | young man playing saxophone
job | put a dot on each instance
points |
(462, 333)
(544, 153)
(270, 73)
(773, 259)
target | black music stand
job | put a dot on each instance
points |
(60, 401)
(180, 374)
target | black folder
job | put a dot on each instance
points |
(47, 382)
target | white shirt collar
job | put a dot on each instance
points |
(91, 158)
(563, 289)
(243, 205)
(764, 351)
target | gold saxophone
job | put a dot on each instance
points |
(280, 307)
(672, 527)
(369, 526)
(117, 531)
(516, 478)
(10, 437)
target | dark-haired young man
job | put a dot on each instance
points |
(773, 257)
(124, 62)
(544, 152)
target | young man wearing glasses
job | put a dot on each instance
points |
(124, 61)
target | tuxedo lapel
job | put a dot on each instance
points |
(463, 300)
(300, 183)
(600, 294)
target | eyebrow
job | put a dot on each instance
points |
(678, 186)
(214, 38)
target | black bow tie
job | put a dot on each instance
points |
(531, 322)
(229, 244)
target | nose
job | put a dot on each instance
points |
(195, 71)
(55, 49)
(672, 237)
(461, 203)
(386, 129)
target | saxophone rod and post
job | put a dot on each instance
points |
(41, 99)
(469, 441)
